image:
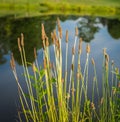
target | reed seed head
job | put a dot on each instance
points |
(93, 62)
(12, 62)
(60, 31)
(33, 67)
(35, 53)
(72, 67)
(102, 100)
(54, 34)
(19, 45)
(76, 31)
(47, 42)
(53, 38)
(88, 48)
(119, 84)
(92, 106)
(68, 96)
(62, 80)
(43, 32)
(44, 63)
(22, 39)
(58, 21)
(66, 36)
(73, 51)
(80, 46)
(107, 57)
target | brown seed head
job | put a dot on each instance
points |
(106, 65)
(44, 63)
(62, 80)
(92, 106)
(35, 53)
(19, 45)
(12, 61)
(88, 48)
(53, 38)
(119, 84)
(102, 100)
(33, 67)
(60, 31)
(107, 57)
(93, 62)
(54, 34)
(80, 46)
(73, 50)
(11, 65)
(72, 67)
(76, 31)
(47, 42)
(43, 32)
(66, 36)
(22, 39)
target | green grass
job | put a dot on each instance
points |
(32, 8)
(55, 97)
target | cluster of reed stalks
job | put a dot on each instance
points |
(54, 98)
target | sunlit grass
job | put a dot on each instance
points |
(55, 97)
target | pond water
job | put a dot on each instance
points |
(99, 32)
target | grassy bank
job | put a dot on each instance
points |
(39, 7)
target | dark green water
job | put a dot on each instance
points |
(99, 32)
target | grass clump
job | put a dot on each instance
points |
(54, 97)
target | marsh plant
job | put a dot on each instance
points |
(57, 95)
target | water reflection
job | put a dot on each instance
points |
(11, 28)
(87, 28)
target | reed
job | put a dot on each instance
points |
(54, 98)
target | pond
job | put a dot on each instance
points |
(98, 31)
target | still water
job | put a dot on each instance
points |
(99, 32)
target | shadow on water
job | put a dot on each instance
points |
(10, 30)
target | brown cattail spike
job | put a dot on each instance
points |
(93, 62)
(22, 39)
(88, 48)
(54, 33)
(35, 53)
(47, 42)
(72, 67)
(53, 38)
(92, 106)
(11, 65)
(73, 50)
(107, 57)
(60, 32)
(33, 67)
(80, 46)
(44, 63)
(76, 31)
(66, 36)
(43, 32)
(19, 45)
(12, 61)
